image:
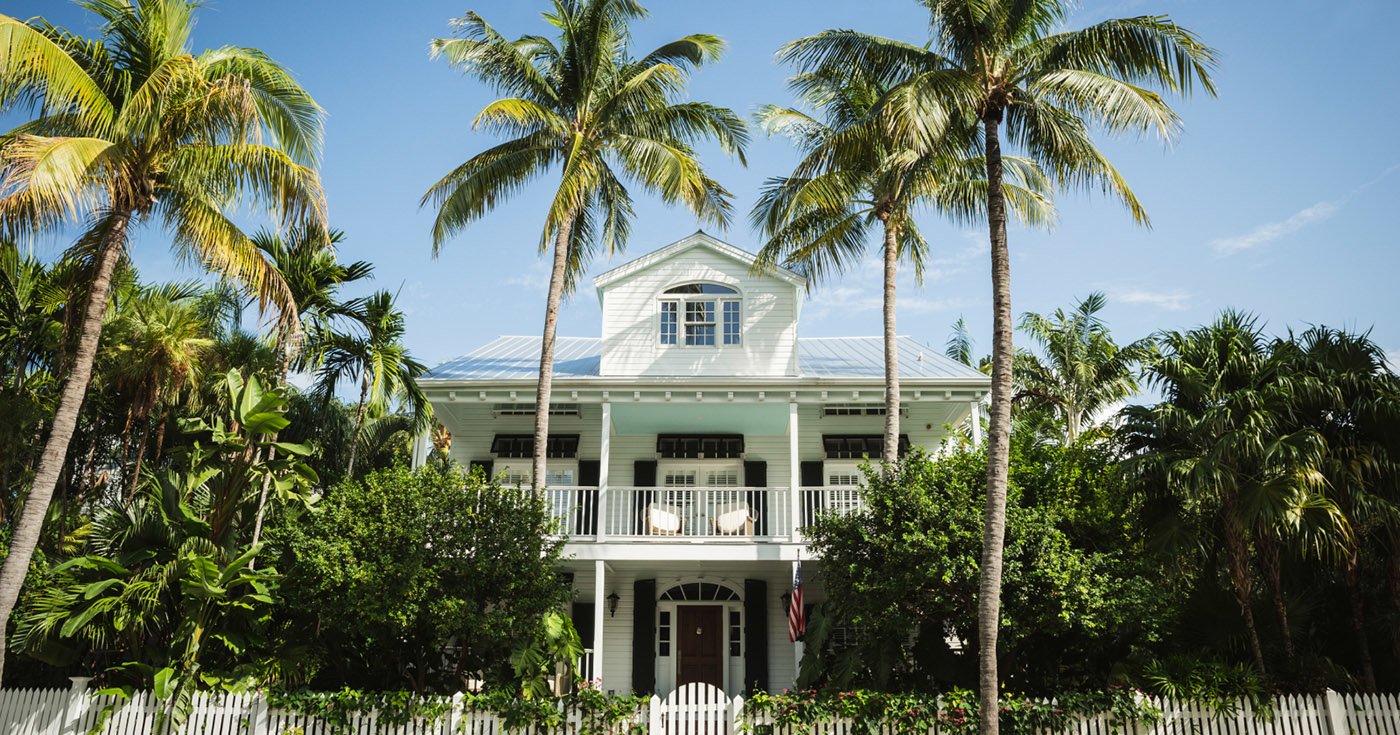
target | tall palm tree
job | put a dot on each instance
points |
(1007, 65)
(376, 354)
(1083, 371)
(854, 176)
(1222, 447)
(583, 103)
(129, 127)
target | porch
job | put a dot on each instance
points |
(668, 514)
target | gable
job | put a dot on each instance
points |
(700, 240)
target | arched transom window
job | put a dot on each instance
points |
(700, 315)
(700, 591)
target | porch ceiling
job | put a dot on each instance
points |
(754, 419)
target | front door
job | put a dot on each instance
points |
(700, 645)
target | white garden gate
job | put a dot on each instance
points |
(699, 709)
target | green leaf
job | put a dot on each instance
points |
(96, 588)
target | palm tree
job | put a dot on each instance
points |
(1007, 64)
(157, 346)
(855, 175)
(130, 127)
(1222, 447)
(1344, 389)
(376, 353)
(1084, 372)
(583, 103)
(314, 277)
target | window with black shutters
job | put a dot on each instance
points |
(522, 446)
(860, 446)
(700, 446)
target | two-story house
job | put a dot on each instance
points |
(688, 446)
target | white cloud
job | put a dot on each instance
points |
(1267, 233)
(1392, 358)
(1170, 300)
(861, 289)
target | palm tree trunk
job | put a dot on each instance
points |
(36, 505)
(140, 457)
(1237, 558)
(551, 321)
(1358, 620)
(1269, 563)
(891, 344)
(1394, 579)
(359, 422)
(998, 438)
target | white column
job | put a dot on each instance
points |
(794, 475)
(976, 419)
(600, 608)
(420, 449)
(604, 452)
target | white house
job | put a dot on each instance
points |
(688, 446)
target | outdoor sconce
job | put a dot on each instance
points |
(787, 600)
(612, 604)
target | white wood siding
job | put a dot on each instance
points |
(631, 344)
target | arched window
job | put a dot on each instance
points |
(700, 591)
(701, 315)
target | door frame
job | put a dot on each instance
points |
(669, 663)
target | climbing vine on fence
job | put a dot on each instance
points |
(954, 713)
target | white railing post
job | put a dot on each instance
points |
(654, 716)
(736, 715)
(1336, 712)
(604, 452)
(76, 706)
(795, 475)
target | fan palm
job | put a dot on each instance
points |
(854, 176)
(582, 103)
(376, 354)
(129, 127)
(1007, 65)
(1223, 448)
(1083, 371)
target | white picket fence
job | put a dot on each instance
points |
(694, 709)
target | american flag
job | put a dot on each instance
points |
(797, 619)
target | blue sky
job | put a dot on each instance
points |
(1278, 199)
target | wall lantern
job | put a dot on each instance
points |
(612, 604)
(787, 600)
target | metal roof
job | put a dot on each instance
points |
(518, 358)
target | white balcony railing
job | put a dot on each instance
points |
(716, 513)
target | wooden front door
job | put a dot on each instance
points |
(700, 645)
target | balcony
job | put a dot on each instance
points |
(720, 514)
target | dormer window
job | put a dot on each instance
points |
(700, 315)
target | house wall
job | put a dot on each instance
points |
(631, 319)
(473, 426)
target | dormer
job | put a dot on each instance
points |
(695, 308)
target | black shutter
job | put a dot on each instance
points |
(484, 464)
(586, 507)
(755, 635)
(756, 475)
(813, 475)
(582, 616)
(644, 636)
(643, 475)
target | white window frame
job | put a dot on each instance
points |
(523, 473)
(682, 300)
